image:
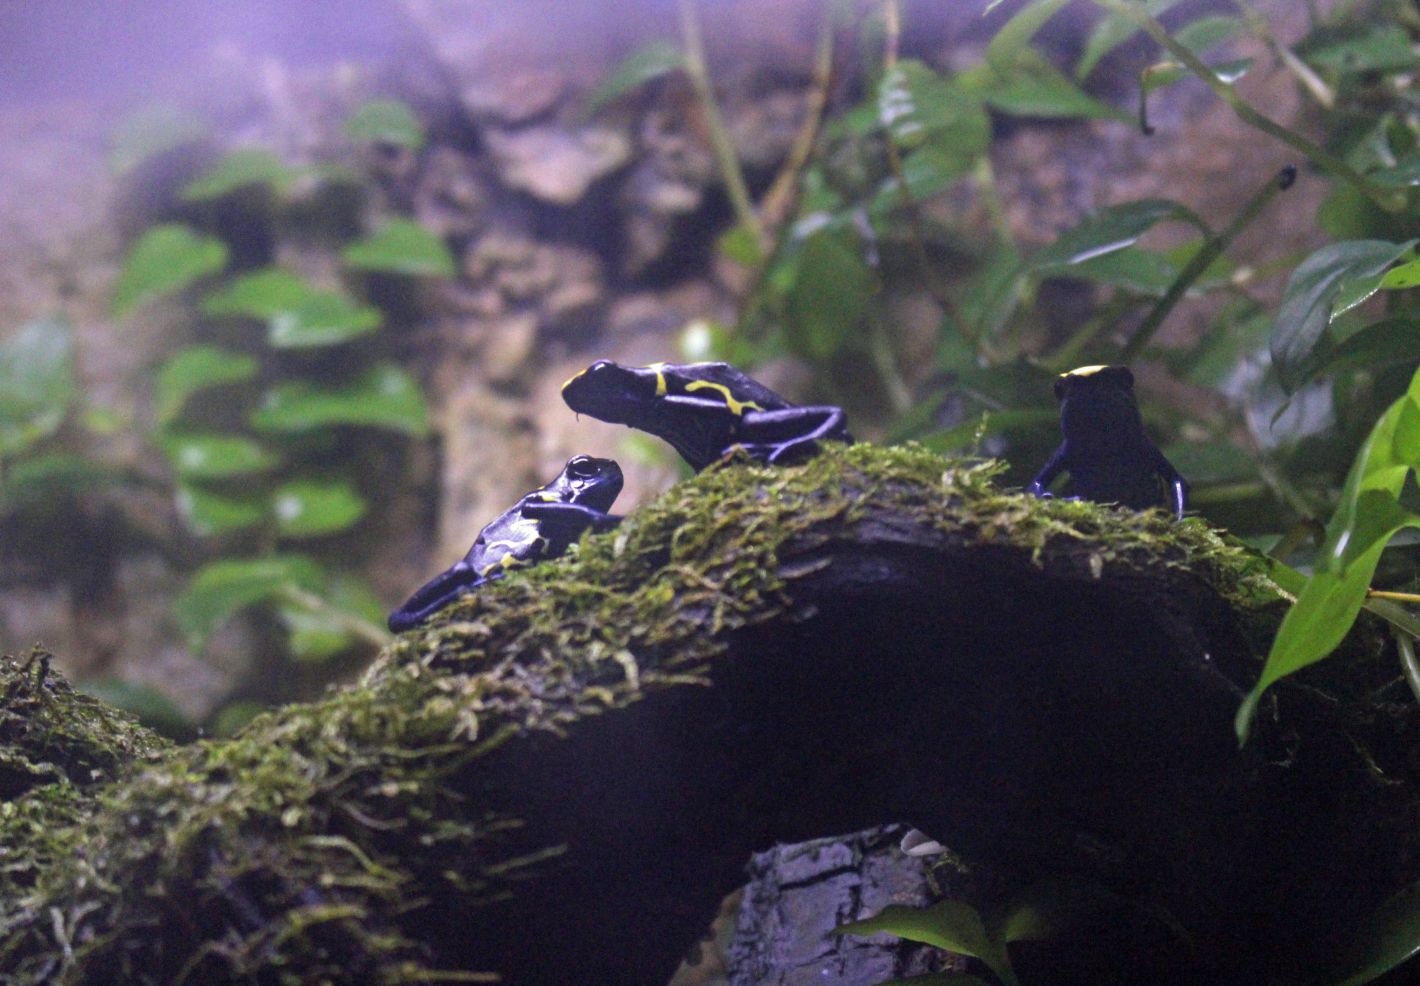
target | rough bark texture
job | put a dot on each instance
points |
(561, 776)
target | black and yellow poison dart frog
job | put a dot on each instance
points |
(704, 410)
(1106, 452)
(542, 524)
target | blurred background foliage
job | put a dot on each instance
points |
(288, 414)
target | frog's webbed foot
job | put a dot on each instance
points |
(433, 596)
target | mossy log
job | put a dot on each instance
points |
(559, 777)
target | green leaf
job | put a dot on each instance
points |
(313, 507)
(239, 169)
(1166, 73)
(1111, 32)
(918, 106)
(1358, 47)
(298, 315)
(215, 456)
(318, 635)
(232, 717)
(36, 383)
(222, 588)
(1033, 87)
(384, 396)
(739, 244)
(1013, 37)
(149, 132)
(1311, 292)
(1106, 231)
(47, 479)
(950, 924)
(207, 512)
(194, 369)
(152, 707)
(165, 259)
(651, 61)
(1389, 937)
(829, 297)
(386, 121)
(1405, 276)
(402, 246)
(1368, 515)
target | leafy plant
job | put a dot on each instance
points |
(260, 427)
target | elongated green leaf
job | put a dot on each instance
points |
(298, 315)
(1032, 86)
(221, 589)
(47, 479)
(195, 369)
(1112, 31)
(1360, 47)
(1014, 36)
(402, 246)
(165, 259)
(149, 132)
(208, 512)
(1400, 278)
(196, 456)
(919, 107)
(320, 634)
(651, 61)
(1106, 231)
(36, 382)
(386, 121)
(1386, 939)
(384, 396)
(313, 507)
(239, 169)
(1311, 292)
(950, 924)
(830, 294)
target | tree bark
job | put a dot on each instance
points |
(559, 778)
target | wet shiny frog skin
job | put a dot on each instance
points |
(541, 525)
(704, 410)
(1109, 457)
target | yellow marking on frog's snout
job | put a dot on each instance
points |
(737, 407)
(1084, 371)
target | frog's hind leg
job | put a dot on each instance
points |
(780, 435)
(433, 596)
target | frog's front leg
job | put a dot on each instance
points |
(1040, 486)
(774, 436)
(1178, 486)
(563, 523)
(434, 595)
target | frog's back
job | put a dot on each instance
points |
(745, 389)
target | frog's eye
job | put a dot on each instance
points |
(582, 467)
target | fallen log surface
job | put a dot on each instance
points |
(559, 778)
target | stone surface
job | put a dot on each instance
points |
(555, 164)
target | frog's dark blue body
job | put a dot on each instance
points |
(704, 410)
(1108, 455)
(541, 525)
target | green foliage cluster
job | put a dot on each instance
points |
(259, 427)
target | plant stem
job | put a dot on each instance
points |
(778, 203)
(1310, 81)
(720, 145)
(1387, 199)
(1209, 252)
(1396, 616)
(1408, 665)
(352, 624)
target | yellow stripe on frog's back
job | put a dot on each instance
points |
(737, 407)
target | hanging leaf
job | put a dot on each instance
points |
(194, 369)
(1013, 38)
(222, 588)
(298, 315)
(950, 924)
(36, 382)
(1113, 30)
(207, 512)
(1031, 86)
(651, 61)
(239, 169)
(47, 479)
(1358, 47)
(312, 507)
(386, 121)
(402, 246)
(165, 259)
(150, 132)
(1386, 939)
(384, 396)
(1106, 231)
(830, 294)
(215, 456)
(1311, 292)
(1400, 278)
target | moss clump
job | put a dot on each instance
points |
(308, 847)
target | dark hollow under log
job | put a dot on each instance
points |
(571, 770)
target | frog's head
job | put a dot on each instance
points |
(588, 480)
(1098, 401)
(608, 391)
